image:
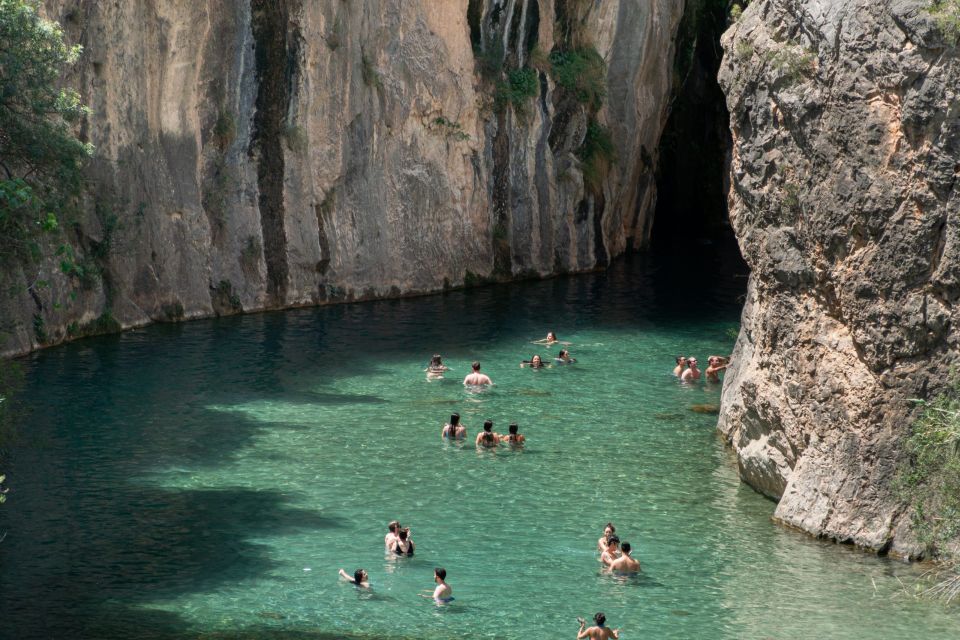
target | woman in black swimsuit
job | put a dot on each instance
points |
(487, 437)
(404, 545)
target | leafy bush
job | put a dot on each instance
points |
(521, 84)
(40, 157)
(583, 73)
(596, 155)
(930, 479)
(449, 129)
(946, 15)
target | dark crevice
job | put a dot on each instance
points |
(502, 262)
(276, 68)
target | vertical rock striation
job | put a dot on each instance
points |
(844, 199)
(259, 154)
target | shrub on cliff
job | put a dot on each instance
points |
(929, 480)
(946, 14)
(583, 73)
(40, 157)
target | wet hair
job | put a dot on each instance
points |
(599, 619)
(488, 425)
(393, 526)
(513, 428)
(358, 576)
(454, 419)
(551, 334)
(562, 353)
(610, 526)
(476, 365)
(440, 572)
(436, 360)
(536, 360)
(625, 547)
(681, 359)
(403, 533)
(613, 540)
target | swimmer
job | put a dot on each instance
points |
(608, 531)
(436, 367)
(487, 437)
(625, 563)
(715, 364)
(403, 545)
(391, 536)
(564, 357)
(551, 339)
(444, 592)
(599, 632)
(476, 378)
(359, 578)
(678, 370)
(454, 429)
(515, 439)
(691, 373)
(612, 552)
(536, 362)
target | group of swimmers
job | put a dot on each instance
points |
(488, 438)
(687, 370)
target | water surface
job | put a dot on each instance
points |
(207, 480)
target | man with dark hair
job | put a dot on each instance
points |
(444, 592)
(476, 378)
(612, 551)
(599, 632)
(625, 563)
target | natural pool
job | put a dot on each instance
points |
(208, 479)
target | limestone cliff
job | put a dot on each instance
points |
(263, 154)
(844, 198)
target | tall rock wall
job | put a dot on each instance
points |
(845, 201)
(260, 154)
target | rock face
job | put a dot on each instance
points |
(844, 198)
(263, 154)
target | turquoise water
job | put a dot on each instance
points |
(207, 480)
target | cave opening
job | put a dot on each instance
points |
(691, 231)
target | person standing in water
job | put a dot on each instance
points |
(599, 632)
(403, 545)
(391, 536)
(612, 552)
(625, 563)
(476, 378)
(487, 437)
(515, 438)
(453, 429)
(359, 578)
(443, 593)
(692, 373)
(678, 370)
(436, 367)
(715, 364)
(608, 531)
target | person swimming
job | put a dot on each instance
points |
(476, 378)
(608, 531)
(403, 545)
(487, 437)
(715, 364)
(564, 357)
(515, 438)
(598, 632)
(551, 339)
(443, 593)
(691, 374)
(436, 367)
(391, 536)
(612, 552)
(453, 429)
(625, 563)
(360, 578)
(678, 370)
(535, 362)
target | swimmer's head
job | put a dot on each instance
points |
(625, 547)
(488, 425)
(536, 361)
(691, 361)
(613, 540)
(681, 359)
(436, 360)
(476, 365)
(609, 529)
(513, 428)
(403, 533)
(393, 526)
(440, 574)
(563, 352)
(600, 619)
(359, 576)
(454, 419)
(551, 336)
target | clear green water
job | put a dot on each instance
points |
(179, 481)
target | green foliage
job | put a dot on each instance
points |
(744, 50)
(930, 479)
(581, 72)
(596, 155)
(735, 12)
(446, 128)
(793, 62)
(40, 157)
(490, 60)
(225, 129)
(946, 15)
(520, 85)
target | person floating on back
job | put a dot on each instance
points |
(599, 632)
(691, 373)
(487, 437)
(625, 563)
(515, 438)
(476, 378)
(359, 578)
(453, 429)
(443, 593)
